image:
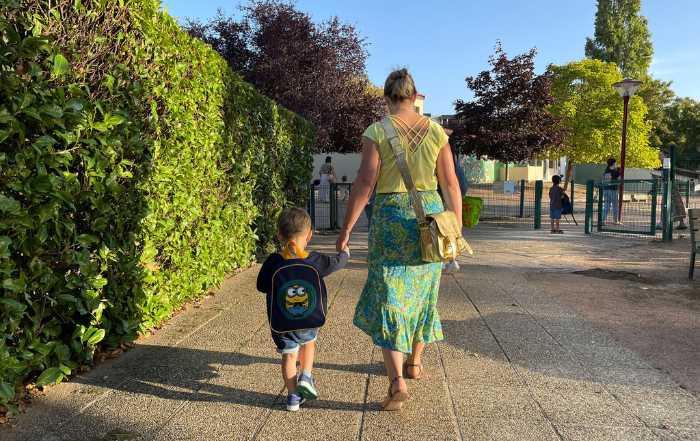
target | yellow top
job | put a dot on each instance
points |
(421, 159)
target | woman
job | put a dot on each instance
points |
(678, 204)
(327, 174)
(610, 191)
(397, 307)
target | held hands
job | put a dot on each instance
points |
(342, 242)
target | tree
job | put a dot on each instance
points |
(592, 109)
(684, 131)
(657, 96)
(315, 70)
(621, 36)
(509, 120)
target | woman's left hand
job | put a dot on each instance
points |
(342, 242)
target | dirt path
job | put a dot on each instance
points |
(641, 296)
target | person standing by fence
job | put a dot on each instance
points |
(678, 205)
(327, 174)
(610, 191)
(556, 196)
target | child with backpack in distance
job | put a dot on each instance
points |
(556, 196)
(344, 190)
(299, 303)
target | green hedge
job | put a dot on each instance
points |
(136, 170)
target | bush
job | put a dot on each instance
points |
(136, 170)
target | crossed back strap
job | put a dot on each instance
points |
(395, 142)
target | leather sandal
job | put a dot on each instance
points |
(397, 399)
(420, 370)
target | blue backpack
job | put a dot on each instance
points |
(297, 300)
(566, 207)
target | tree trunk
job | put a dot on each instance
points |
(506, 172)
(569, 172)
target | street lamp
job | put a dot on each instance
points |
(626, 88)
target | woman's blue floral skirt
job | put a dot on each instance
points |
(398, 304)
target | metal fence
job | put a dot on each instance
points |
(639, 213)
(511, 209)
(328, 204)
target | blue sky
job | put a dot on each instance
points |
(443, 42)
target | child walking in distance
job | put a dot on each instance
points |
(294, 231)
(556, 195)
(344, 190)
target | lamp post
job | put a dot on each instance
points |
(626, 88)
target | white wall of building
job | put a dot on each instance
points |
(347, 165)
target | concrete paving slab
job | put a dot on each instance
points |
(605, 433)
(425, 396)
(408, 426)
(481, 371)
(652, 406)
(311, 424)
(138, 408)
(559, 376)
(252, 362)
(344, 390)
(573, 328)
(622, 376)
(607, 356)
(523, 335)
(568, 326)
(231, 406)
(583, 407)
(677, 434)
(213, 420)
(495, 402)
(539, 352)
(472, 349)
(506, 430)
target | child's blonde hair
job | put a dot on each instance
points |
(293, 222)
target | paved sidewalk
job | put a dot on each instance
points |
(515, 364)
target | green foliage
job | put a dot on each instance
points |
(621, 37)
(684, 131)
(593, 110)
(657, 96)
(136, 170)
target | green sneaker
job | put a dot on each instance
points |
(306, 387)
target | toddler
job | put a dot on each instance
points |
(294, 231)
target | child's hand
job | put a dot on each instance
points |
(346, 249)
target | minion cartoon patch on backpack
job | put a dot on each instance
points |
(297, 300)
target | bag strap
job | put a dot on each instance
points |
(413, 195)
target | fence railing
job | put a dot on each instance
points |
(328, 204)
(524, 208)
(636, 207)
(639, 214)
(517, 209)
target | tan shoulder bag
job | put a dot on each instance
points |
(441, 234)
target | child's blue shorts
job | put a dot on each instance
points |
(555, 214)
(289, 342)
